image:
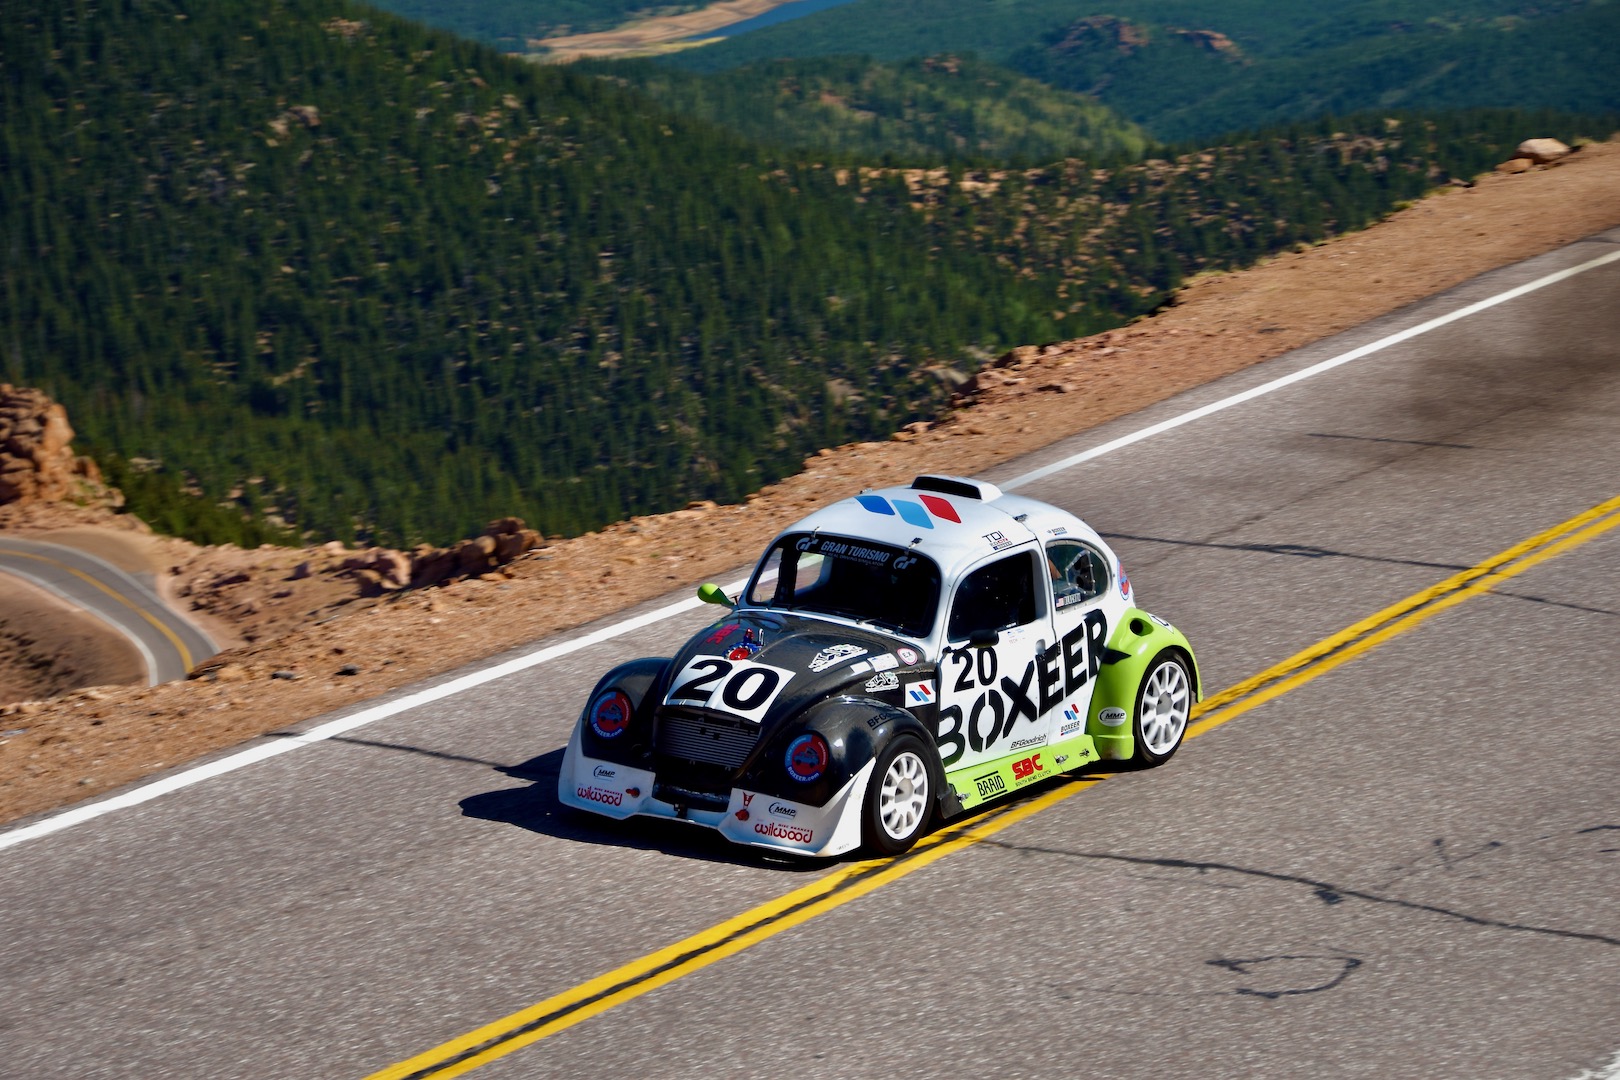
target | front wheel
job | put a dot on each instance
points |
(898, 797)
(1163, 706)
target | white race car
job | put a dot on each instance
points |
(896, 658)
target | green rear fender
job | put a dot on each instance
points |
(1134, 644)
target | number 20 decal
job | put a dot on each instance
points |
(740, 687)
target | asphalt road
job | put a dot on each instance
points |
(169, 644)
(1406, 867)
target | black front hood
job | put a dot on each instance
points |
(818, 659)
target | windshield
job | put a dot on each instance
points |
(888, 587)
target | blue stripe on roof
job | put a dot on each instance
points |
(913, 514)
(876, 503)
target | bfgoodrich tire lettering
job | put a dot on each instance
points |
(899, 797)
(1163, 707)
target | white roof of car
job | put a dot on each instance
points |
(954, 520)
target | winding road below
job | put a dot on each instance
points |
(1392, 847)
(169, 644)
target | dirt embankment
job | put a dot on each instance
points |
(311, 641)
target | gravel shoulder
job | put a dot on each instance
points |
(304, 641)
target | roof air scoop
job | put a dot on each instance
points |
(960, 486)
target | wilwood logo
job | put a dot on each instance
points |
(792, 833)
(601, 795)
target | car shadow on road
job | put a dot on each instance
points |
(537, 809)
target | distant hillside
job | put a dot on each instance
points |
(390, 285)
(308, 263)
(1187, 69)
(926, 111)
(509, 25)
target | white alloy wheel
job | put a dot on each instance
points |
(903, 801)
(899, 796)
(1163, 706)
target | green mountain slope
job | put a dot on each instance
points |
(930, 110)
(1199, 68)
(392, 285)
(306, 259)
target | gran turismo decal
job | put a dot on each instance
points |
(835, 654)
(1052, 675)
(888, 680)
(742, 687)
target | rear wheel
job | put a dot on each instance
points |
(1163, 707)
(898, 797)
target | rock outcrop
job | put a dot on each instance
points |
(37, 463)
(1533, 152)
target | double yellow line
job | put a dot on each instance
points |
(462, 1055)
(174, 639)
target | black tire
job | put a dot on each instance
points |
(899, 797)
(1164, 704)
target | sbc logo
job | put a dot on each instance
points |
(1023, 770)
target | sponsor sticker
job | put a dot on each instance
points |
(746, 648)
(835, 654)
(807, 758)
(1124, 581)
(783, 810)
(793, 834)
(1024, 771)
(920, 693)
(744, 688)
(990, 784)
(1111, 717)
(998, 540)
(724, 631)
(1025, 744)
(887, 680)
(908, 656)
(884, 661)
(610, 714)
(1060, 531)
(602, 772)
(606, 796)
(1071, 728)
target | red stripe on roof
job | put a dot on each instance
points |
(940, 508)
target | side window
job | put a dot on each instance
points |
(1078, 572)
(995, 597)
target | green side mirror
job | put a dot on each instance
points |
(713, 594)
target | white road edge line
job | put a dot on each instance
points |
(1304, 373)
(78, 815)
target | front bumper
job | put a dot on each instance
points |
(750, 818)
